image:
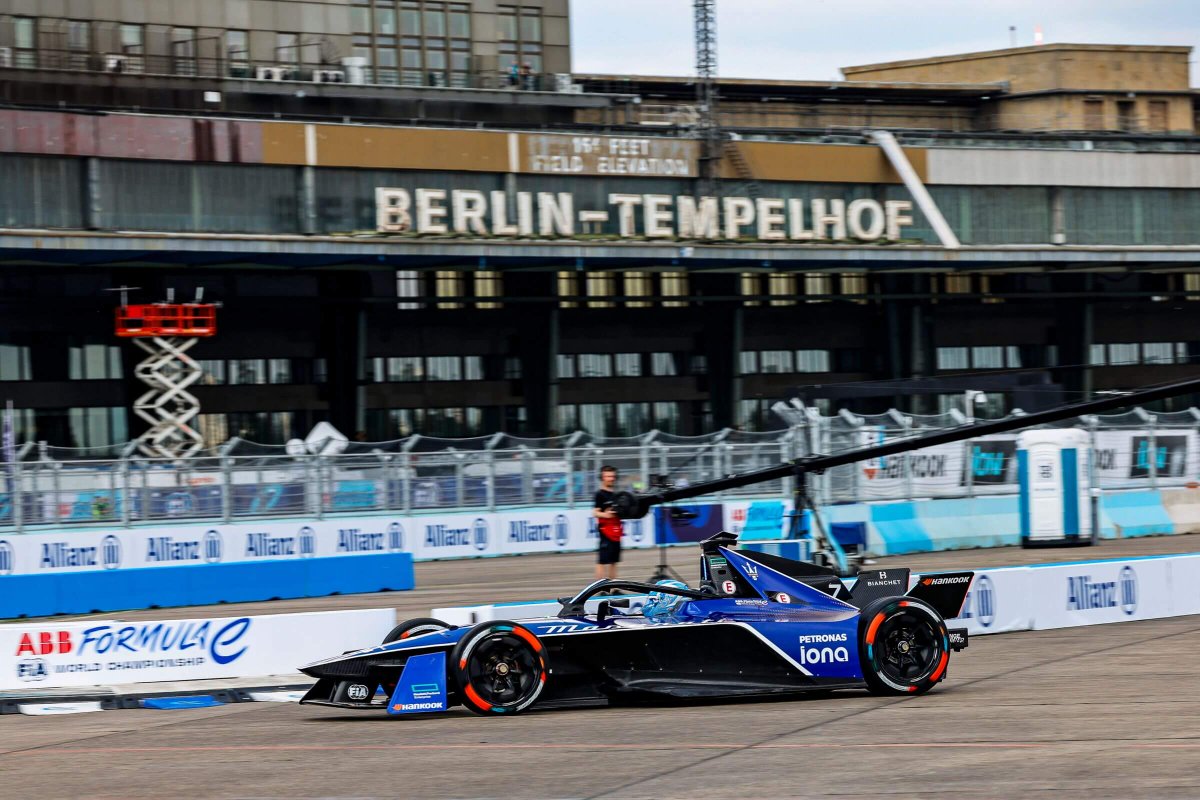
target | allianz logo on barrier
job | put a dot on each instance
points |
(1085, 594)
(62, 555)
(355, 540)
(160, 549)
(980, 603)
(445, 536)
(522, 531)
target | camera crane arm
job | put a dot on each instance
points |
(635, 506)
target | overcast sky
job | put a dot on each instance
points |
(812, 39)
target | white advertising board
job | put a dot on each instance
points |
(426, 537)
(1185, 585)
(1097, 592)
(997, 602)
(105, 652)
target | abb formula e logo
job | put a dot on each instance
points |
(44, 643)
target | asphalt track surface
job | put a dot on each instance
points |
(1105, 711)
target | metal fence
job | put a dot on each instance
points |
(49, 486)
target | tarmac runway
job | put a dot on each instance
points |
(1104, 711)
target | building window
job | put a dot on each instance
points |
(629, 365)
(79, 35)
(776, 361)
(237, 51)
(953, 358)
(14, 363)
(488, 283)
(435, 20)
(750, 287)
(531, 25)
(279, 370)
(444, 368)
(637, 284)
(568, 286)
(782, 288)
(1158, 122)
(266, 427)
(749, 362)
(595, 365)
(183, 51)
(667, 417)
(449, 284)
(512, 368)
(405, 369)
(214, 373)
(566, 366)
(816, 284)
(957, 283)
(987, 357)
(25, 42)
(94, 362)
(1127, 115)
(460, 20)
(97, 427)
(1097, 356)
(506, 24)
(663, 364)
(632, 419)
(812, 361)
(132, 40)
(594, 418)
(247, 371)
(674, 284)
(473, 368)
(1121, 354)
(699, 364)
(287, 48)
(599, 285)
(410, 287)
(855, 283)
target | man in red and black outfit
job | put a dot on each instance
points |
(608, 523)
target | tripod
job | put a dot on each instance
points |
(663, 571)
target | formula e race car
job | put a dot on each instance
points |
(757, 624)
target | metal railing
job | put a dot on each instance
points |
(46, 486)
(333, 72)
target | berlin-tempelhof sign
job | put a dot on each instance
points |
(651, 216)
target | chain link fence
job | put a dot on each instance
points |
(52, 486)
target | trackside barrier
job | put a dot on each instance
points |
(202, 584)
(50, 654)
(1012, 598)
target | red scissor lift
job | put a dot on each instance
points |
(166, 331)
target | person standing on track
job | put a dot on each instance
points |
(608, 523)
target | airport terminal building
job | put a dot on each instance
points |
(407, 235)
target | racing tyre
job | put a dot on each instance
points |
(415, 627)
(903, 646)
(500, 668)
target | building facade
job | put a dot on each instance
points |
(424, 277)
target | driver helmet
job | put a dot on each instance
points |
(660, 604)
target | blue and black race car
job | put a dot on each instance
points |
(756, 624)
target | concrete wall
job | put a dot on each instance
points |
(979, 166)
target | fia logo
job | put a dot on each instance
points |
(562, 530)
(212, 546)
(981, 602)
(111, 551)
(33, 669)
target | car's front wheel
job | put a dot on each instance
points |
(903, 646)
(500, 668)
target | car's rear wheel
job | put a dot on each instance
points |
(500, 668)
(415, 627)
(903, 646)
